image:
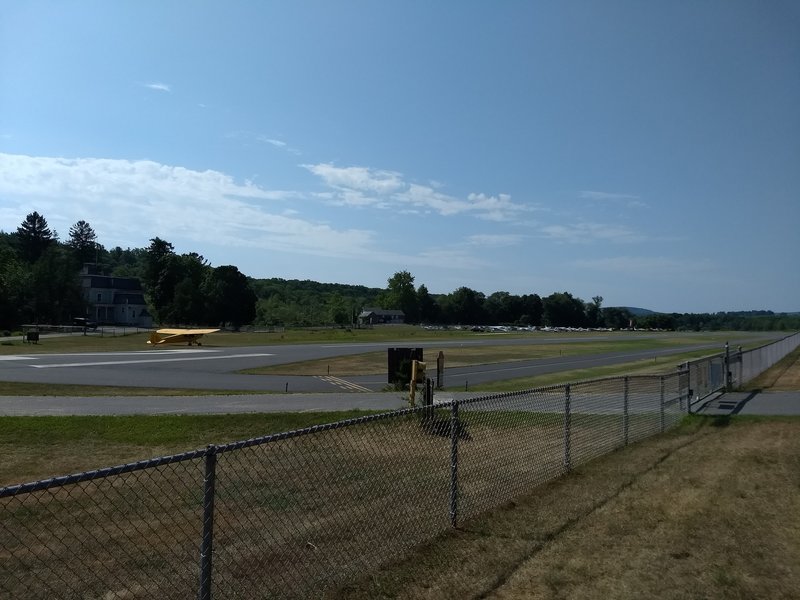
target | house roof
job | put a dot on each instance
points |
(114, 283)
(380, 312)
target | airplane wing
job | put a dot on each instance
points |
(177, 336)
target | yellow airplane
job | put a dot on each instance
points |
(178, 336)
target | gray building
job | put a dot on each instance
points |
(379, 316)
(114, 300)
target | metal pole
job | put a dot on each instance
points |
(567, 425)
(663, 422)
(625, 422)
(454, 427)
(728, 383)
(207, 545)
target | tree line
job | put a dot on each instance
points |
(309, 303)
(39, 283)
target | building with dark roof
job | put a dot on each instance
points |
(379, 316)
(114, 300)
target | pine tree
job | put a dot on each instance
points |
(34, 236)
(83, 241)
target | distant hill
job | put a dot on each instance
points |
(637, 312)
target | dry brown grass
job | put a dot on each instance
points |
(783, 377)
(292, 517)
(707, 512)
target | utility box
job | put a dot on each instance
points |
(399, 364)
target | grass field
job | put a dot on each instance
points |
(702, 512)
(710, 510)
(40, 447)
(373, 363)
(305, 510)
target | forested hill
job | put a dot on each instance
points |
(306, 302)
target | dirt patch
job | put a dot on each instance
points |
(705, 512)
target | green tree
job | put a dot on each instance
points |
(34, 237)
(401, 295)
(532, 310)
(83, 241)
(229, 297)
(160, 277)
(188, 304)
(503, 307)
(594, 312)
(55, 289)
(14, 283)
(616, 317)
(429, 311)
(464, 306)
(564, 310)
(338, 310)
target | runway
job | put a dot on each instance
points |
(210, 368)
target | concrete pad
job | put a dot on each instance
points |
(754, 403)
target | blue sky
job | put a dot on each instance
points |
(646, 152)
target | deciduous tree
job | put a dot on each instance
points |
(229, 297)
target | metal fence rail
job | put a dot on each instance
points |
(298, 513)
(735, 367)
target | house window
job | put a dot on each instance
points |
(99, 297)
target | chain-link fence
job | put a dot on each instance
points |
(735, 367)
(300, 513)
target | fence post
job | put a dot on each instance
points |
(625, 411)
(567, 426)
(207, 544)
(662, 417)
(454, 430)
(727, 373)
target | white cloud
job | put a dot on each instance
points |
(276, 143)
(159, 87)
(584, 233)
(137, 199)
(360, 179)
(252, 136)
(362, 186)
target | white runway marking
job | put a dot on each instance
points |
(136, 362)
(132, 353)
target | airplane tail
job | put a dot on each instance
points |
(154, 338)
